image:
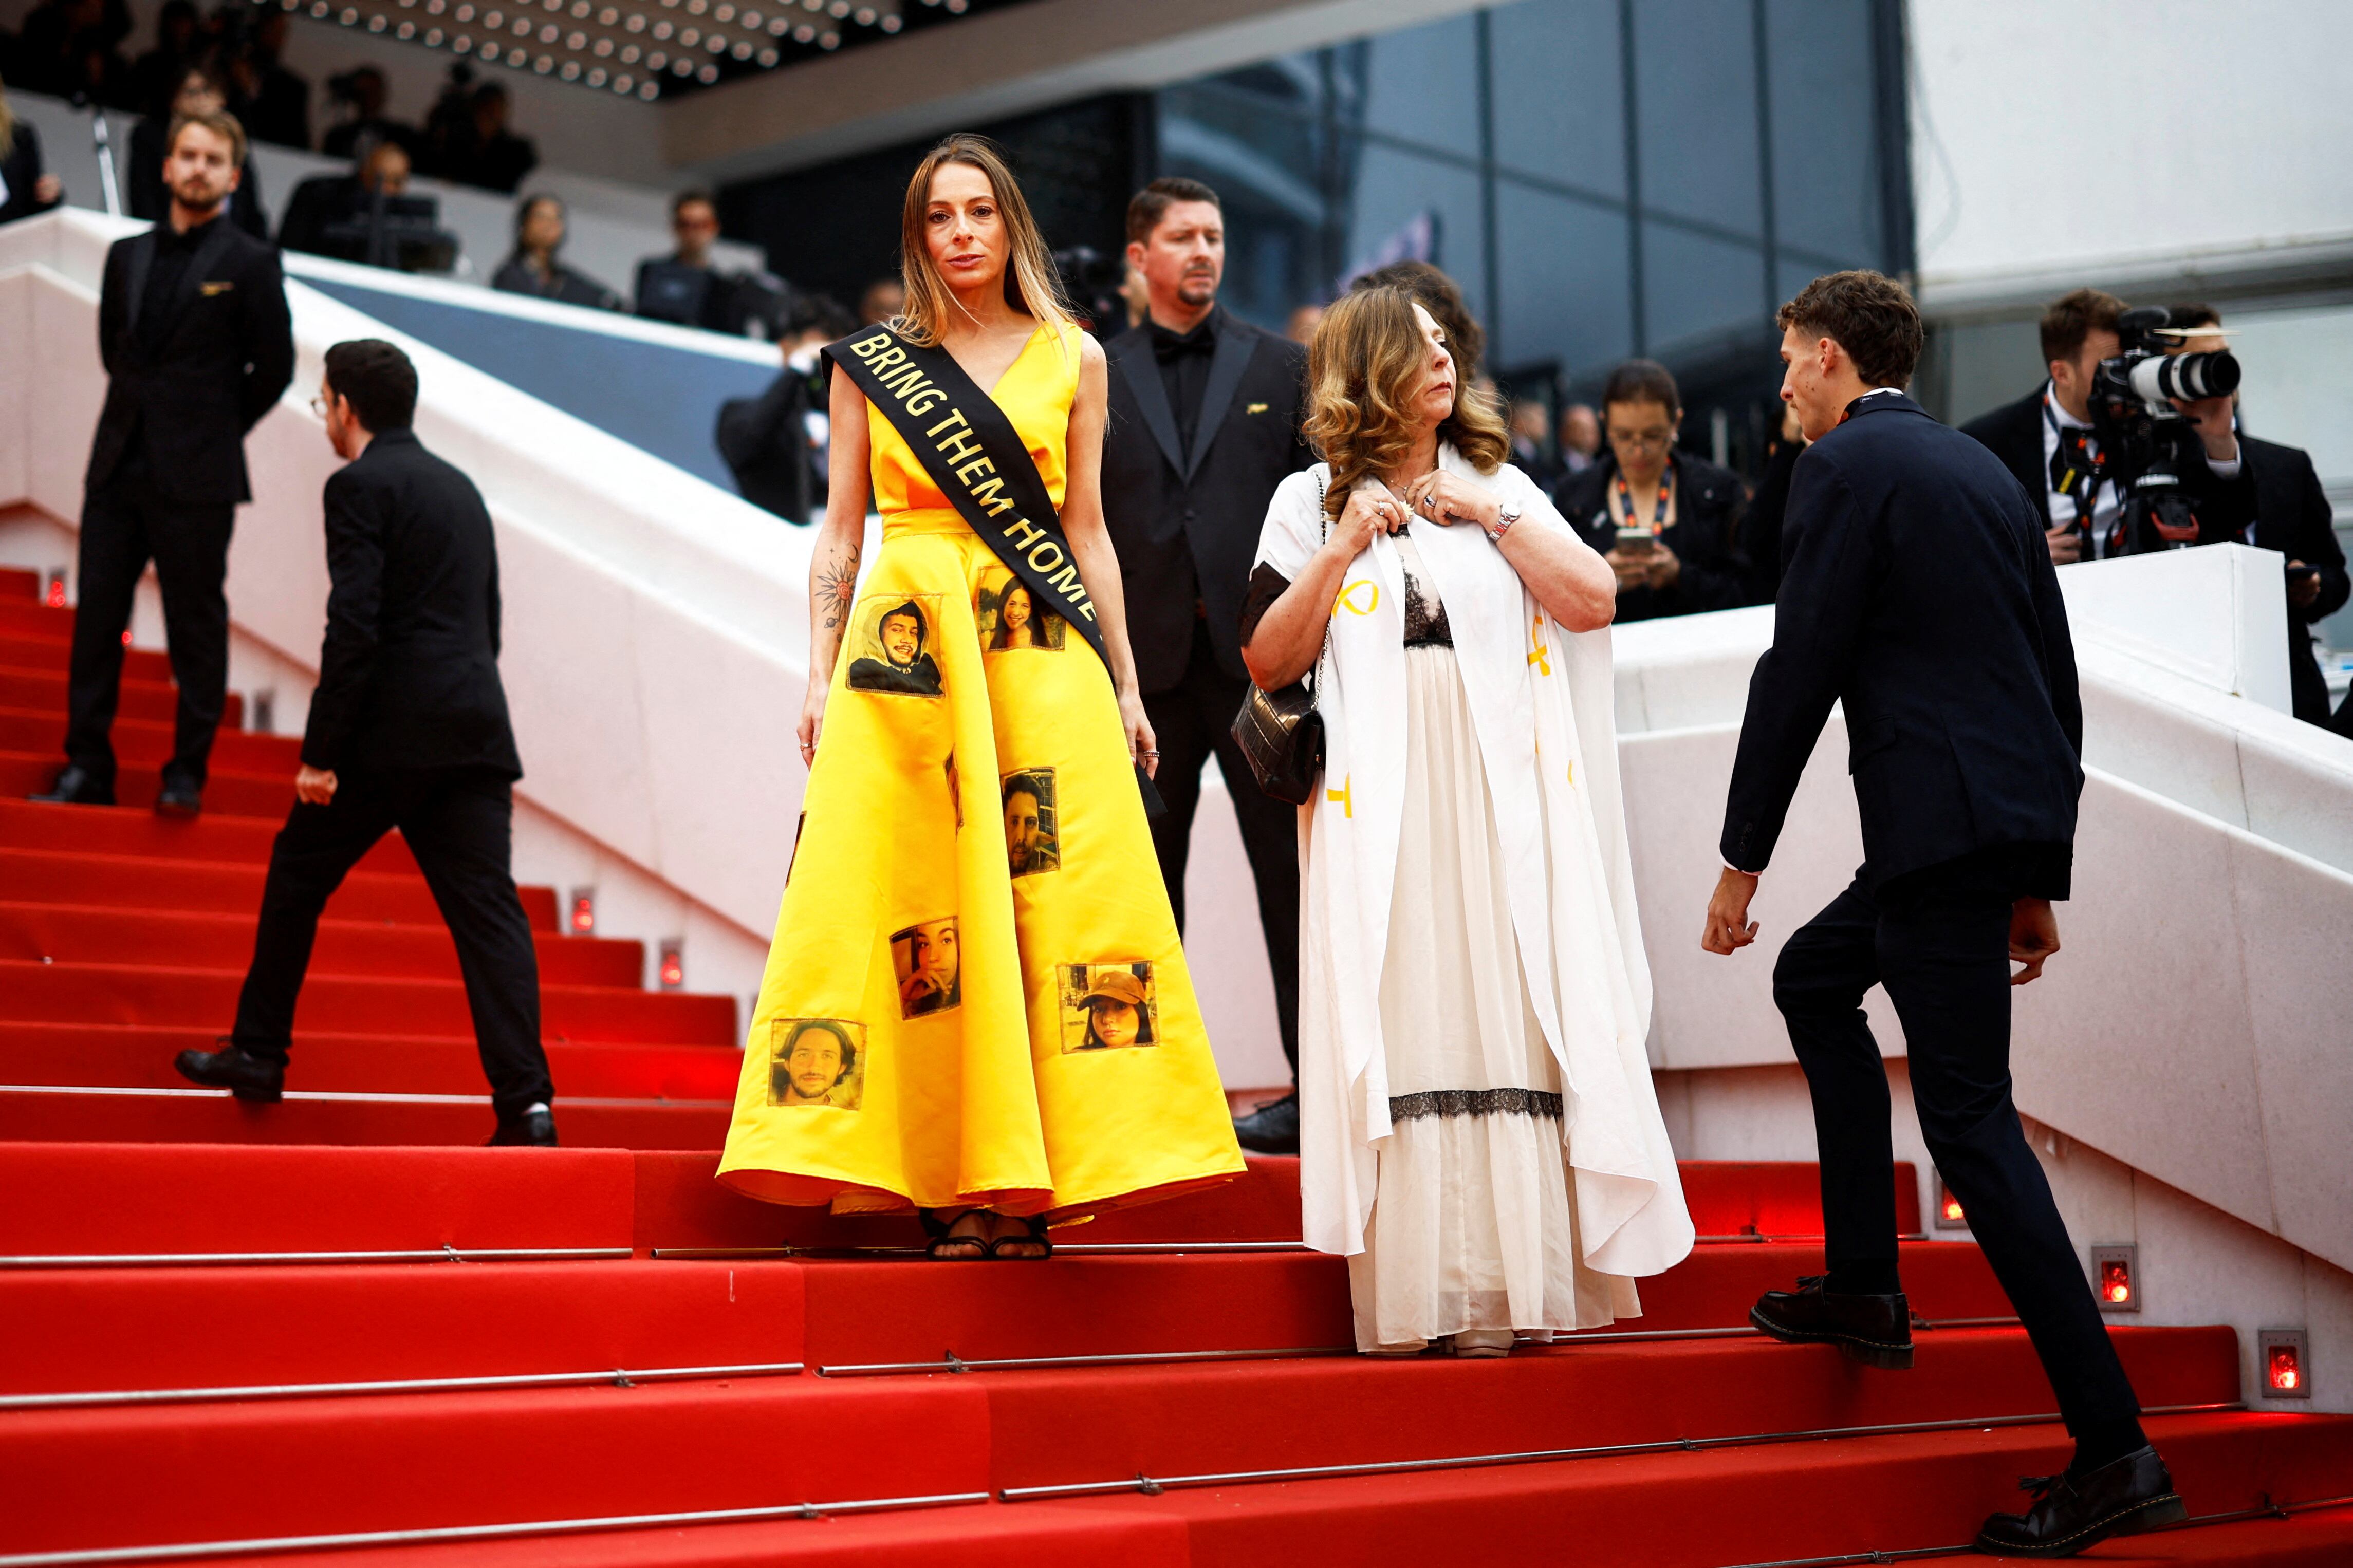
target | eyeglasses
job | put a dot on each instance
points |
(1647, 441)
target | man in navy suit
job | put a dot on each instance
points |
(1917, 589)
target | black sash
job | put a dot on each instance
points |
(978, 461)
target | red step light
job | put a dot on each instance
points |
(1946, 1212)
(2284, 1352)
(673, 965)
(126, 636)
(54, 596)
(2116, 1278)
(581, 918)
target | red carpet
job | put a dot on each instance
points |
(122, 939)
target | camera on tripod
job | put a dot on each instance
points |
(2147, 445)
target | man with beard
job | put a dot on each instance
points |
(817, 1059)
(193, 328)
(1205, 423)
(1029, 846)
(904, 667)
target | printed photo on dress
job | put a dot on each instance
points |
(925, 959)
(1106, 1006)
(815, 1062)
(892, 644)
(1011, 617)
(794, 859)
(1031, 840)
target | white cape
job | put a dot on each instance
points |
(1542, 705)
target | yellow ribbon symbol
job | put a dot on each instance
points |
(1572, 775)
(1347, 807)
(1349, 596)
(1542, 658)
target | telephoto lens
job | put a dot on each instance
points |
(2186, 376)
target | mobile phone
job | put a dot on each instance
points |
(2298, 569)
(1632, 533)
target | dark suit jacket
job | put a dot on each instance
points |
(149, 197)
(1186, 532)
(766, 443)
(228, 354)
(2013, 433)
(1715, 573)
(21, 169)
(1915, 587)
(408, 677)
(2279, 505)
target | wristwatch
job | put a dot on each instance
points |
(1506, 514)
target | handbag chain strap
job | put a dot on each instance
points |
(1315, 676)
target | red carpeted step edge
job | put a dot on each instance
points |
(1747, 1505)
(67, 934)
(132, 1197)
(134, 881)
(140, 1056)
(190, 1115)
(217, 836)
(82, 1331)
(141, 744)
(421, 1460)
(155, 701)
(242, 794)
(352, 1004)
(41, 646)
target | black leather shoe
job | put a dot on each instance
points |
(532, 1128)
(178, 798)
(2122, 1496)
(1873, 1330)
(77, 785)
(1272, 1128)
(247, 1077)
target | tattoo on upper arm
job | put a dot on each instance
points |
(837, 584)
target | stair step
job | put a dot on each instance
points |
(46, 642)
(44, 691)
(134, 1055)
(139, 833)
(269, 794)
(422, 1461)
(218, 887)
(1748, 1505)
(352, 1003)
(141, 744)
(191, 1115)
(2320, 1538)
(83, 1330)
(69, 933)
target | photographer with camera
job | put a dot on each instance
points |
(2110, 476)
(2278, 505)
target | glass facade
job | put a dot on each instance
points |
(1603, 178)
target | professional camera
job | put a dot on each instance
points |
(2146, 446)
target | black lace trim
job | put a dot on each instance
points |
(1474, 1102)
(1425, 617)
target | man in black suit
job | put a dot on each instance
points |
(2277, 504)
(2045, 438)
(409, 729)
(1205, 423)
(194, 329)
(1917, 588)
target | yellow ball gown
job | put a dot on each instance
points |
(976, 994)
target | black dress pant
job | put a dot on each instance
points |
(458, 824)
(125, 524)
(1938, 940)
(1194, 720)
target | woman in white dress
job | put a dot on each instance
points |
(1479, 1132)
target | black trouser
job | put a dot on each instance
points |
(1194, 720)
(457, 823)
(1940, 940)
(124, 524)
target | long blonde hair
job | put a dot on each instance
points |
(7, 123)
(1364, 367)
(1031, 285)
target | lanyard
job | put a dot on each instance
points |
(1658, 514)
(2081, 488)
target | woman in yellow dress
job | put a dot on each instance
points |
(973, 914)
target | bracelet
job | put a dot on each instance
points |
(1504, 518)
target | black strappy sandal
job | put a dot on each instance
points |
(941, 1232)
(1032, 1232)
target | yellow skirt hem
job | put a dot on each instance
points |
(796, 1190)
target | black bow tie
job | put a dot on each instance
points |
(1168, 347)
